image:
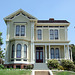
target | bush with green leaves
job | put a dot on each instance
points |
(60, 67)
(53, 64)
(1, 66)
(67, 64)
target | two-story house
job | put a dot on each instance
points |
(32, 41)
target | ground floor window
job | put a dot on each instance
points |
(54, 53)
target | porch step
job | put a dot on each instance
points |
(40, 66)
(42, 73)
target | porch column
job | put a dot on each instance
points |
(64, 53)
(33, 53)
(46, 53)
(49, 53)
(68, 52)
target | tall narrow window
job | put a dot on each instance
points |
(39, 34)
(22, 30)
(13, 51)
(17, 30)
(18, 53)
(56, 34)
(52, 53)
(57, 53)
(25, 51)
(51, 34)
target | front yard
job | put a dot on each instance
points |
(63, 73)
(15, 72)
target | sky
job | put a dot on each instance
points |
(42, 10)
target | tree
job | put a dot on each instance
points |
(1, 51)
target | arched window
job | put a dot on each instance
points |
(13, 50)
(18, 53)
(25, 51)
(52, 53)
(51, 34)
(57, 53)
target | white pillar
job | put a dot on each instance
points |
(64, 52)
(68, 52)
(49, 53)
(46, 53)
(33, 53)
(32, 42)
(22, 52)
(27, 54)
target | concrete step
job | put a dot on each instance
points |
(42, 73)
(40, 66)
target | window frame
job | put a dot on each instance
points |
(37, 33)
(54, 33)
(13, 51)
(18, 50)
(25, 51)
(20, 29)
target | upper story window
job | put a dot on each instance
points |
(53, 34)
(39, 34)
(20, 30)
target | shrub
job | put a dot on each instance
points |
(53, 63)
(67, 64)
(60, 68)
(1, 66)
(29, 67)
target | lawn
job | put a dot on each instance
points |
(63, 73)
(15, 72)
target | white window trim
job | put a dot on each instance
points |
(36, 34)
(20, 31)
(54, 34)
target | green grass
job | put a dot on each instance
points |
(63, 73)
(15, 72)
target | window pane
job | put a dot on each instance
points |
(52, 53)
(22, 30)
(39, 34)
(56, 34)
(25, 51)
(41, 55)
(37, 55)
(51, 34)
(56, 53)
(17, 30)
(18, 54)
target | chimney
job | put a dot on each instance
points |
(51, 19)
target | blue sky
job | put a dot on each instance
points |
(41, 9)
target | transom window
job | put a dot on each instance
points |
(53, 34)
(20, 30)
(54, 53)
(39, 34)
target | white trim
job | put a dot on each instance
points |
(49, 52)
(46, 53)
(36, 34)
(50, 43)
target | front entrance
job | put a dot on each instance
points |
(39, 54)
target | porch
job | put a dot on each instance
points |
(42, 52)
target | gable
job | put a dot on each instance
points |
(17, 13)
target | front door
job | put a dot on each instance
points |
(39, 54)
